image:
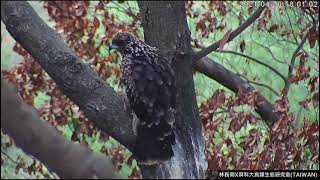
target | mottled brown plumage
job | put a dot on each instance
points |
(148, 84)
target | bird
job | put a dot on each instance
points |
(148, 85)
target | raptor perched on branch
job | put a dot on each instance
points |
(148, 84)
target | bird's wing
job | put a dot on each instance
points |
(151, 91)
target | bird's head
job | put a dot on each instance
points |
(121, 40)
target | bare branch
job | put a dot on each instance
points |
(234, 34)
(39, 139)
(255, 60)
(233, 82)
(293, 59)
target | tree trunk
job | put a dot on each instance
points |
(165, 26)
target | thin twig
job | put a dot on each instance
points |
(255, 60)
(270, 52)
(294, 36)
(9, 157)
(234, 34)
(293, 59)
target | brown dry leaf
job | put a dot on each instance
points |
(225, 39)
(242, 45)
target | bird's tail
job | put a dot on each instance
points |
(150, 151)
(154, 144)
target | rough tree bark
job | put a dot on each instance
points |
(165, 26)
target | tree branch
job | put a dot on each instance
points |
(255, 60)
(234, 34)
(76, 79)
(233, 82)
(293, 59)
(39, 139)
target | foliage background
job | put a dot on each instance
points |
(236, 137)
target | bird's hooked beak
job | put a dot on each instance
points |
(112, 46)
